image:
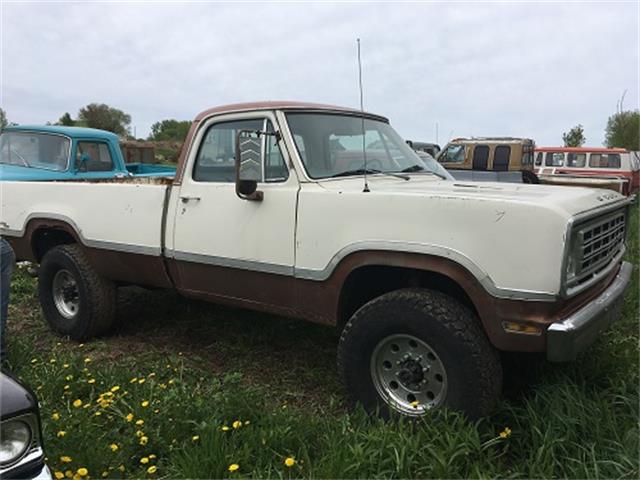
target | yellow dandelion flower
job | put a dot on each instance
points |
(87, 360)
(144, 404)
(81, 345)
(163, 386)
(133, 380)
(55, 416)
(151, 375)
(66, 459)
(152, 457)
(140, 422)
(195, 438)
(61, 434)
(129, 417)
(152, 469)
(144, 460)
(506, 433)
(77, 403)
(415, 404)
(58, 475)
(225, 428)
(139, 433)
(34, 360)
(83, 472)
(289, 462)
(233, 467)
(68, 378)
(68, 474)
(115, 388)
(53, 360)
(105, 474)
(114, 447)
(65, 365)
(97, 414)
(171, 381)
(141, 381)
(157, 410)
(247, 422)
(66, 387)
(236, 424)
(121, 468)
(144, 440)
(91, 380)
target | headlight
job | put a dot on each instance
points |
(15, 439)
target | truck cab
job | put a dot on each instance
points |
(52, 152)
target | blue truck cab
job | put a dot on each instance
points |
(51, 152)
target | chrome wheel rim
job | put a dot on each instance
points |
(65, 294)
(408, 374)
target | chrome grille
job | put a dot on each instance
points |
(598, 242)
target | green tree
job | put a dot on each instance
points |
(574, 137)
(623, 130)
(171, 129)
(3, 119)
(99, 115)
(66, 120)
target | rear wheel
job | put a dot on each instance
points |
(75, 300)
(415, 350)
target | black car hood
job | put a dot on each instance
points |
(15, 397)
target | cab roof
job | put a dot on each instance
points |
(72, 132)
(280, 105)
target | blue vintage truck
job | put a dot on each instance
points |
(51, 152)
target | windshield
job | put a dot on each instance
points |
(331, 145)
(34, 150)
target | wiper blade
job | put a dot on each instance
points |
(368, 171)
(421, 169)
(413, 168)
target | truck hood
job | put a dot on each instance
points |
(567, 201)
(20, 173)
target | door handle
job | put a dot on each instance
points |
(188, 198)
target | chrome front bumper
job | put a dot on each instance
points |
(571, 336)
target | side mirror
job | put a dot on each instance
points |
(81, 162)
(249, 165)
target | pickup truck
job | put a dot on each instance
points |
(324, 213)
(51, 152)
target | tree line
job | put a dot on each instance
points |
(622, 130)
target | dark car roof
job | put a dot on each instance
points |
(15, 397)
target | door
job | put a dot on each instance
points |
(480, 157)
(225, 246)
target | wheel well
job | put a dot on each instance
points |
(366, 283)
(44, 240)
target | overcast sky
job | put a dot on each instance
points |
(520, 69)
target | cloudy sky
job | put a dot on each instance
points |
(509, 68)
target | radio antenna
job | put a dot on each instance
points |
(364, 149)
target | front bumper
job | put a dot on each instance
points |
(569, 337)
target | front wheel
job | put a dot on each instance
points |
(75, 300)
(415, 350)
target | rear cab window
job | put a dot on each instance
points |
(35, 150)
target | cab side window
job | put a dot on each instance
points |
(538, 159)
(554, 159)
(577, 160)
(216, 162)
(603, 160)
(93, 157)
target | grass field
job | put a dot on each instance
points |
(184, 389)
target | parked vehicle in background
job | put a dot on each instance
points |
(272, 208)
(432, 149)
(21, 448)
(612, 168)
(49, 152)
(490, 159)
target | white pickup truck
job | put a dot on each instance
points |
(428, 279)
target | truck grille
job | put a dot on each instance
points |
(599, 241)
